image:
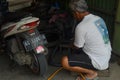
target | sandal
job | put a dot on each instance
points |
(79, 78)
(96, 78)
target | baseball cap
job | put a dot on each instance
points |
(79, 5)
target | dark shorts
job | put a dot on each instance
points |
(80, 58)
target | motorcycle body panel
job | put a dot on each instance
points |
(12, 28)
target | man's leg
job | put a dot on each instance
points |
(89, 73)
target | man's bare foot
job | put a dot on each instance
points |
(92, 75)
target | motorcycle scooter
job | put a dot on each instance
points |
(25, 44)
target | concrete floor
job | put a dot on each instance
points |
(23, 73)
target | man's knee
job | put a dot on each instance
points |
(65, 62)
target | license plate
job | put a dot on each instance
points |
(34, 42)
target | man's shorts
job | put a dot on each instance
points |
(81, 59)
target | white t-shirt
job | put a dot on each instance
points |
(91, 34)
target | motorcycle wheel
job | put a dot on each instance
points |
(39, 64)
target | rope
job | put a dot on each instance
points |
(52, 75)
(82, 76)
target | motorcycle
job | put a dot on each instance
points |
(25, 44)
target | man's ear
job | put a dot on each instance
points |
(77, 13)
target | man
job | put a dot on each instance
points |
(93, 49)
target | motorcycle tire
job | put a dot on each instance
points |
(39, 65)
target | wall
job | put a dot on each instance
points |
(18, 4)
(116, 42)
